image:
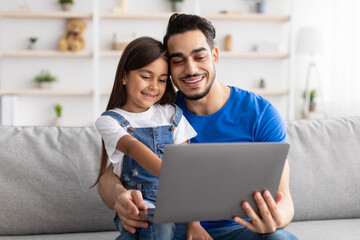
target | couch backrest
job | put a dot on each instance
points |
(45, 176)
(46, 172)
(324, 162)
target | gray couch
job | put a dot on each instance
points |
(325, 178)
(46, 172)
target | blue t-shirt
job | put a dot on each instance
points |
(246, 117)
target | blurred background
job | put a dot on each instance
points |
(302, 55)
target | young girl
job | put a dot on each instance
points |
(140, 120)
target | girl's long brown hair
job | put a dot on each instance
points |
(137, 54)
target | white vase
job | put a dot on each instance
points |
(31, 46)
(66, 6)
(45, 85)
(58, 121)
(260, 7)
(176, 6)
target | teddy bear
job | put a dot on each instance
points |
(73, 40)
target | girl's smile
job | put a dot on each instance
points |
(149, 95)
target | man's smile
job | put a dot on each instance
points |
(193, 81)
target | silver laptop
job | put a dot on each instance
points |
(203, 182)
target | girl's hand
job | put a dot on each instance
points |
(196, 232)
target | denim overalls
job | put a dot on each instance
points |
(133, 176)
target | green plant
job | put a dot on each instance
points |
(66, 1)
(33, 40)
(58, 109)
(312, 95)
(45, 76)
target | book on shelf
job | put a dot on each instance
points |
(8, 106)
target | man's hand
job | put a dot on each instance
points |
(126, 202)
(127, 206)
(195, 231)
(270, 217)
(274, 213)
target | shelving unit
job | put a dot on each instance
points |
(133, 16)
(248, 17)
(45, 53)
(49, 56)
(229, 17)
(51, 92)
(271, 55)
(46, 15)
(98, 53)
(46, 92)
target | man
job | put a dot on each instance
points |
(219, 114)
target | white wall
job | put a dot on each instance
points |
(338, 66)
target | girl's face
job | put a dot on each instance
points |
(145, 86)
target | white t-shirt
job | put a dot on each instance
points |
(157, 115)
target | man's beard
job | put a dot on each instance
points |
(200, 95)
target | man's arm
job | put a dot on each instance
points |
(126, 202)
(275, 213)
(110, 187)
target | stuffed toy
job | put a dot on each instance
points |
(73, 40)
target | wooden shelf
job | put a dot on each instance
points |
(270, 92)
(46, 15)
(165, 16)
(45, 53)
(111, 53)
(105, 92)
(46, 92)
(141, 16)
(279, 55)
(52, 92)
(135, 16)
(248, 17)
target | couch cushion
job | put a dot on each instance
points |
(344, 229)
(45, 176)
(66, 236)
(324, 159)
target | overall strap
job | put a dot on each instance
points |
(177, 117)
(118, 117)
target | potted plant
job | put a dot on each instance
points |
(176, 5)
(66, 4)
(45, 79)
(58, 112)
(32, 41)
(312, 99)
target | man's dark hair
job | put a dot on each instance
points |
(181, 23)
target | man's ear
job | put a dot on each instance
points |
(215, 55)
(124, 80)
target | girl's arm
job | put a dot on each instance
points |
(140, 153)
